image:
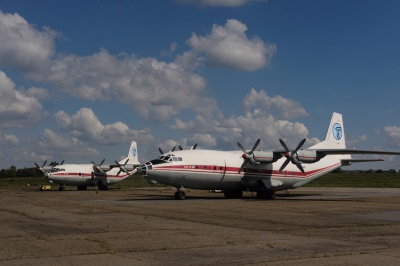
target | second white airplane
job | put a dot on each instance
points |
(84, 175)
(249, 170)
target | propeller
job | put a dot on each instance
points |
(173, 149)
(98, 167)
(41, 168)
(291, 156)
(248, 156)
(122, 167)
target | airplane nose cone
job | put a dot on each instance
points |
(144, 168)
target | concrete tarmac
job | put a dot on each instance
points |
(307, 226)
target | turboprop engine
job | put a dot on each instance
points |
(308, 156)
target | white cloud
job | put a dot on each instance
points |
(17, 108)
(280, 106)
(85, 126)
(228, 46)
(393, 134)
(155, 90)
(52, 145)
(265, 123)
(24, 47)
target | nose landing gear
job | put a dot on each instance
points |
(179, 194)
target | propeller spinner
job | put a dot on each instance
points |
(248, 156)
(291, 156)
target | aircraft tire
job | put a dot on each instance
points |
(61, 188)
(233, 194)
(266, 194)
(180, 195)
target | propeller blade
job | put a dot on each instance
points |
(284, 145)
(122, 167)
(243, 166)
(255, 146)
(292, 156)
(161, 151)
(62, 162)
(173, 149)
(284, 164)
(248, 156)
(194, 147)
(180, 147)
(300, 145)
(241, 147)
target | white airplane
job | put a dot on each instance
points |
(264, 172)
(84, 175)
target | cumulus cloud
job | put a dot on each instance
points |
(85, 126)
(24, 47)
(52, 145)
(155, 90)
(280, 106)
(265, 122)
(17, 108)
(393, 135)
(228, 46)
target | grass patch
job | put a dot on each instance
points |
(371, 180)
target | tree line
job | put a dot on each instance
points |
(14, 172)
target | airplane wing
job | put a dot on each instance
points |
(347, 151)
(350, 161)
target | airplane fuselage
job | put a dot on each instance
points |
(83, 175)
(219, 170)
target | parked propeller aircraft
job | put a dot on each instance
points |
(99, 175)
(264, 172)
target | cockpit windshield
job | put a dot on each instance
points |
(170, 158)
(56, 169)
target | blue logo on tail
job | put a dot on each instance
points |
(133, 152)
(337, 131)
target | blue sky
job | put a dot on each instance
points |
(80, 79)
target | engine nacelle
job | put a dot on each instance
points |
(266, 156)
(308, 156)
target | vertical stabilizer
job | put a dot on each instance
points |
(335, 138)
(132, 154)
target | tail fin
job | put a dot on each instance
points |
(335, 138)
(132, 155)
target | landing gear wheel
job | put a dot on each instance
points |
(61, 188)
(271, 194)
(180, 195)
(233, 194)
(266, 194)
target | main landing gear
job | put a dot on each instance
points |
(266, 194)
(179, 194)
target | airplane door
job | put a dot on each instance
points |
(220, 169)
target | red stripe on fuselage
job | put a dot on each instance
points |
(235, 170)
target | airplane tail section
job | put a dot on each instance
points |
(335, 138)
(132, 155)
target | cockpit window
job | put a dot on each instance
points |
(57, 170)
(170, 158)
